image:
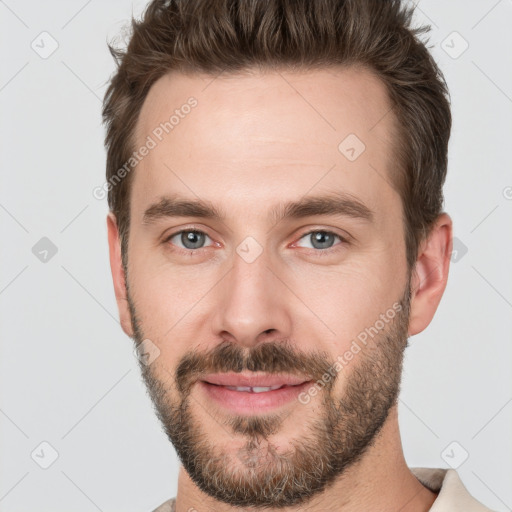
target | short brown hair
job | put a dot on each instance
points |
(214, 36)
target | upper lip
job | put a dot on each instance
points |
(238, 379)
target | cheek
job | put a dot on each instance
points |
(348, 298)
(167, 299)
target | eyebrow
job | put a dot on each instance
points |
(335, 204)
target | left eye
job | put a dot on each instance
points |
(321, 239)
(190, 239)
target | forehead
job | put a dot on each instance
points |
(265, 135)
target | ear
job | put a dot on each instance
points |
(116, 267)
(430, 274)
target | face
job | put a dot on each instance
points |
(262, 254)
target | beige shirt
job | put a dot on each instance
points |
(452, 497)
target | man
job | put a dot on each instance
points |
(276, 233)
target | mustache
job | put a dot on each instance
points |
(271, 358)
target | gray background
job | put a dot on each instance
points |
(68, 375)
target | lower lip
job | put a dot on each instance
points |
(244, 402)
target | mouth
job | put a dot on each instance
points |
(249, 394)
(238, 380)
(255, 389)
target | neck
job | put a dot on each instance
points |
(379, 481)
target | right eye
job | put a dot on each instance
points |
(190, 239)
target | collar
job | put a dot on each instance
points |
(452, 495)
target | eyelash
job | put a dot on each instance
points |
(318, 252)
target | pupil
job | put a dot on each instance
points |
(192, 239)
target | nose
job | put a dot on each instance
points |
(253, 304)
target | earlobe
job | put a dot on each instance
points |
(118, 276)
(430, 274)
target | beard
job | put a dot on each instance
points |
(259, 473)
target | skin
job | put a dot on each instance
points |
(253, 141)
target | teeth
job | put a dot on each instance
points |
(256, 389)
(261, 389)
